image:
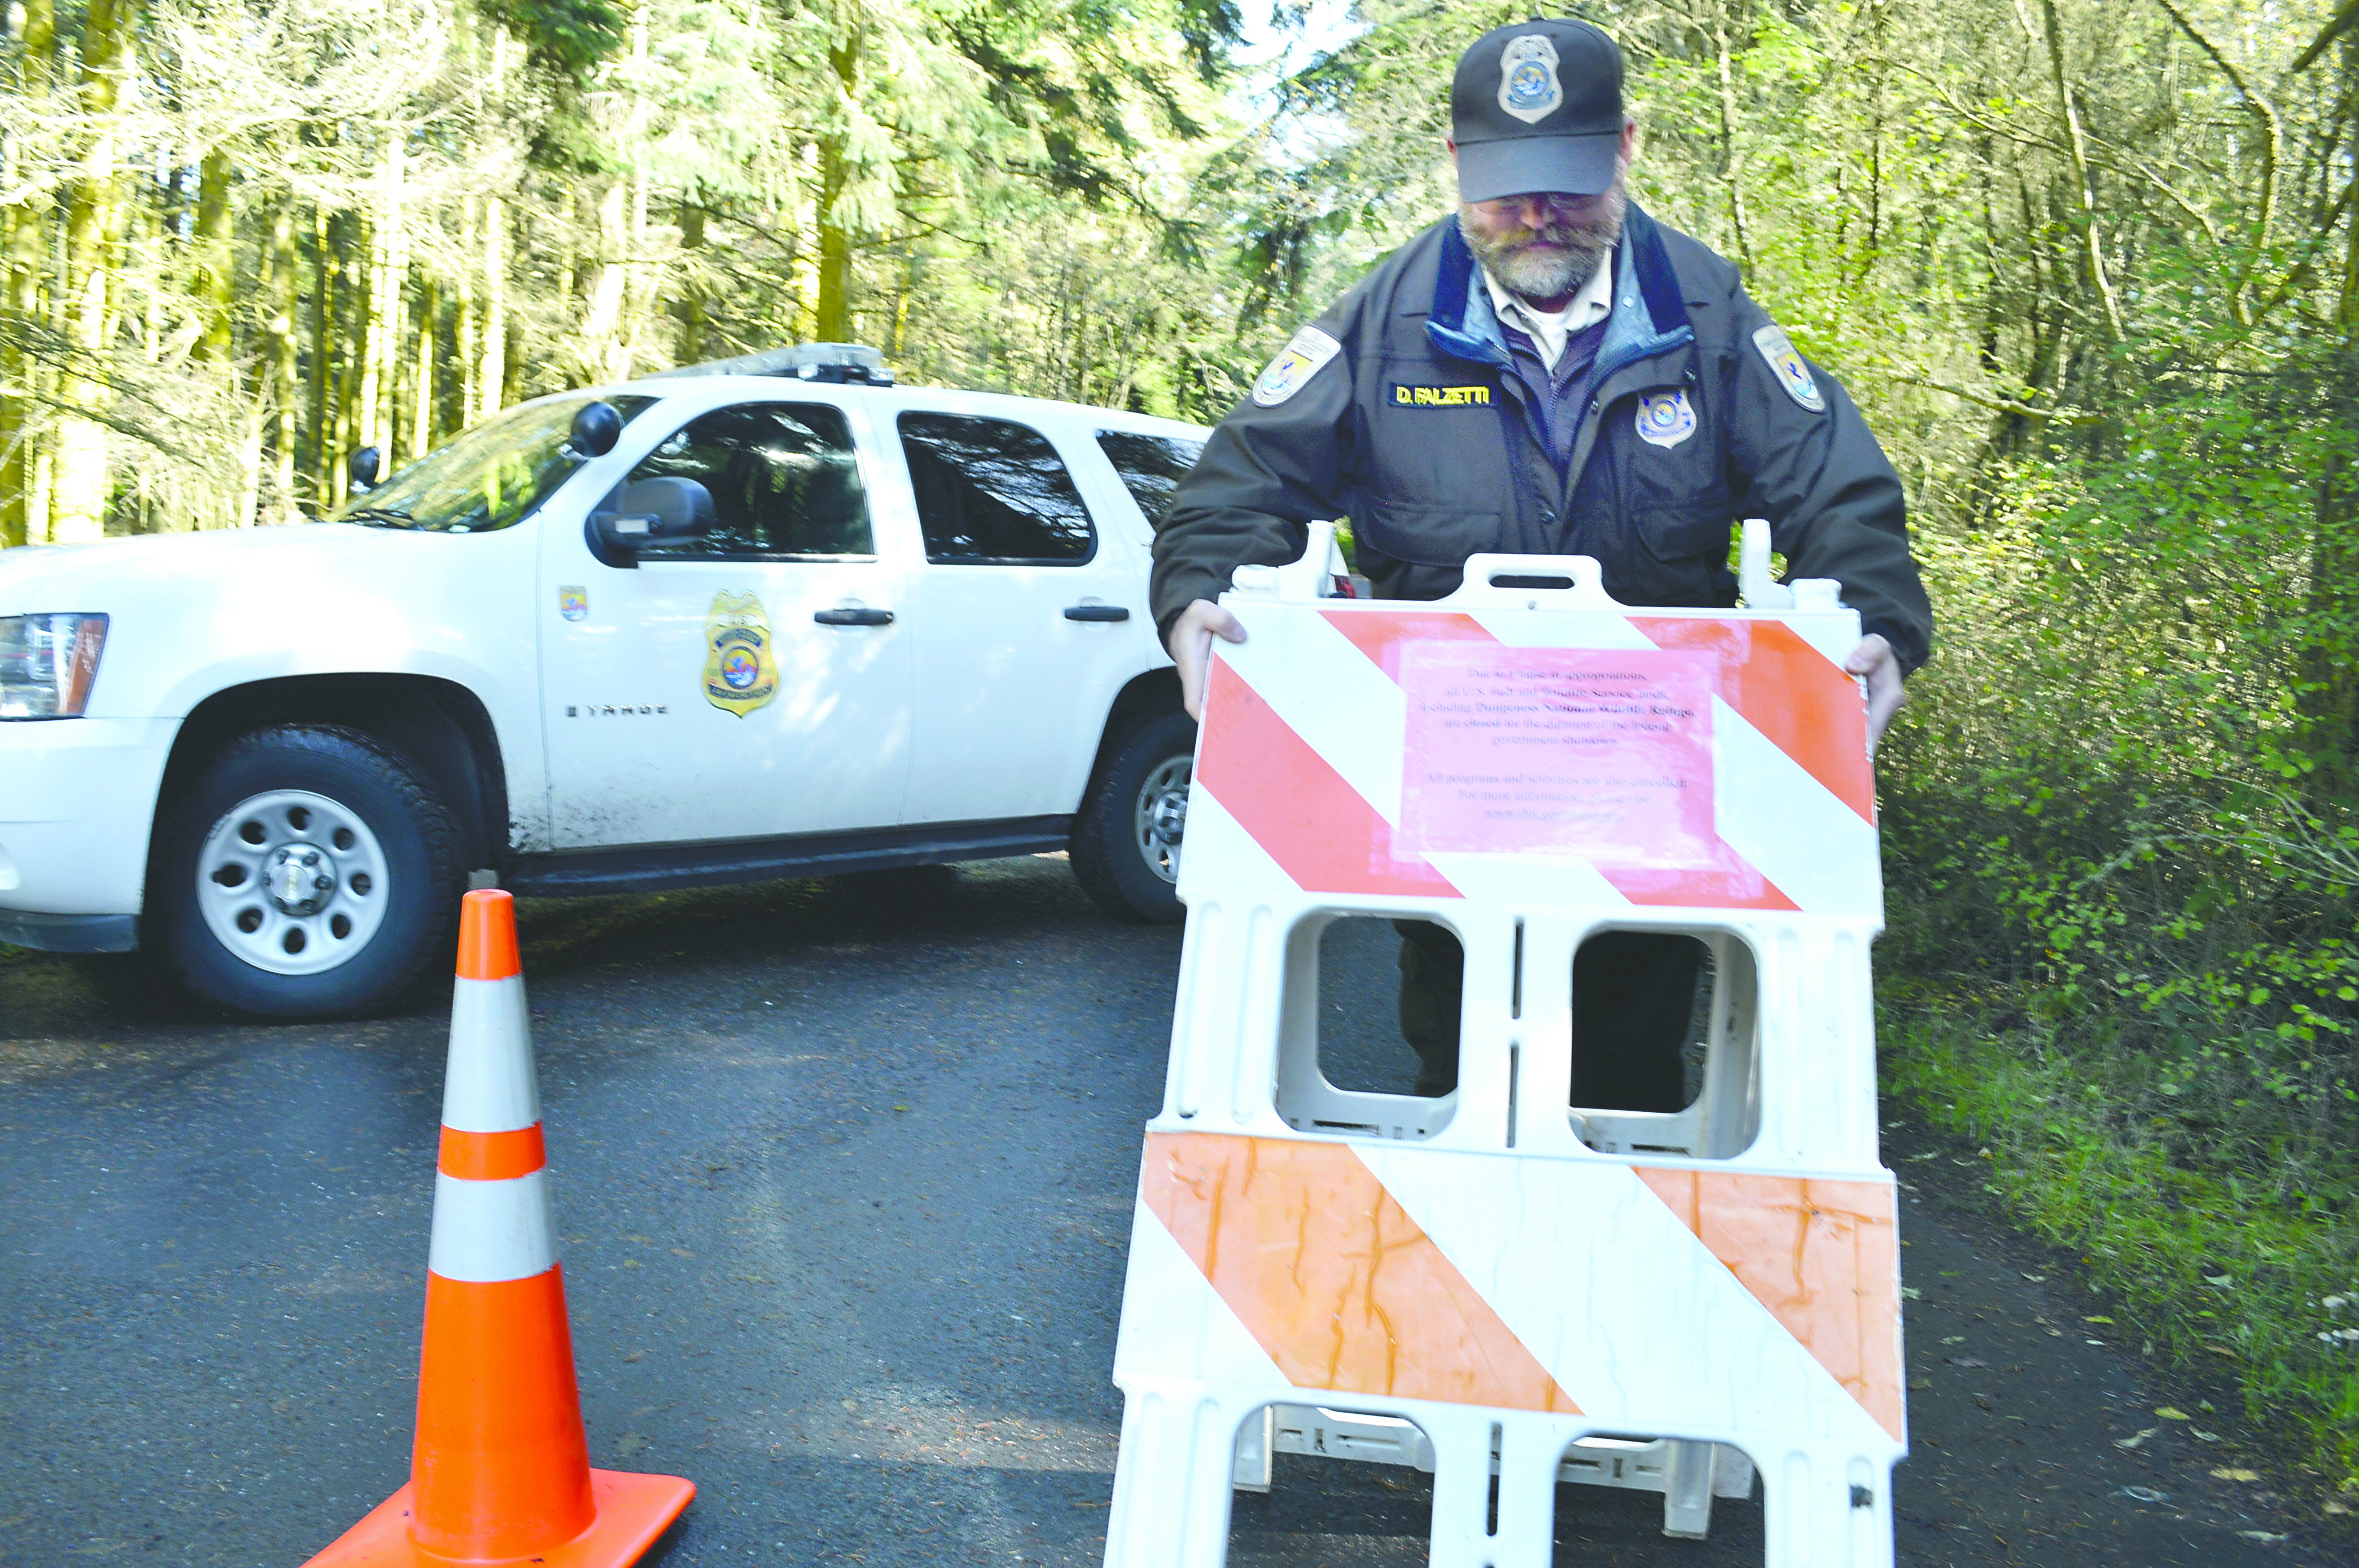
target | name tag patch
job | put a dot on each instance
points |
(1666, 418)
(1408, 396)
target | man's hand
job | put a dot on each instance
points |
(1874, 662)
(1191, 648)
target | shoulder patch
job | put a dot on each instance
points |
(1787, 365)
(1304, 356)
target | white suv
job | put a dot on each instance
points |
(774, 617)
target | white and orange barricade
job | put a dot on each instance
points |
(500, 1472)
(1496, 1285)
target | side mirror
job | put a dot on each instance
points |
(595, 430)
(646, 512)
(364, 467)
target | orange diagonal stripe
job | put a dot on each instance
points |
(1823, 1256)
(1293, 803)
(1331, 1278)
(1377, 635)
(1798, 698)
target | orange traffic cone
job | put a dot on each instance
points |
(501, 1470)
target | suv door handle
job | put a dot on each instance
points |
(853, 617)
(1096, 612)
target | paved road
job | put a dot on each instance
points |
(844, 1180)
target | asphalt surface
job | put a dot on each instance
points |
(844, 1177)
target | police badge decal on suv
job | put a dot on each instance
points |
(916, 619)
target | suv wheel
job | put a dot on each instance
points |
(311, 872)
(1125, 844)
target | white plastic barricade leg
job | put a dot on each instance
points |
(1498, 1286)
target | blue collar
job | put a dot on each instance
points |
(1650, 313)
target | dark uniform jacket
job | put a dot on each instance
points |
(1420, 431)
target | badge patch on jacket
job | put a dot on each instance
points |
(1666, 418)
(1408, 396)
(1787, 365)
(1302, 359)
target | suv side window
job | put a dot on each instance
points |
(991, 493)
(1151, 468)
(785, 484)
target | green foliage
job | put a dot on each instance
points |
(2216, 1262)
(565, 37)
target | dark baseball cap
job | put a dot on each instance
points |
(1537, 106)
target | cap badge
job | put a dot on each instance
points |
(1527, 84)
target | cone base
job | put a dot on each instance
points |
(633, 1510)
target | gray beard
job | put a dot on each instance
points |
(1539, 275)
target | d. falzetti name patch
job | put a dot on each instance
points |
(1305, 356)
(1406, 395)
(1787, 365)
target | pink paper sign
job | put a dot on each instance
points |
(1600, 753)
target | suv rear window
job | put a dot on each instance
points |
(992, 492)
(1151, 468)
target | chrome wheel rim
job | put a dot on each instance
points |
(292, 882)
(1160, 818)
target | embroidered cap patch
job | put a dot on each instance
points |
(1787, 365)
(1666, 418)
(1527, 85)
(1302, 359)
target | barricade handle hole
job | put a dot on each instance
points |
(1861, 1497)
(1512, 579)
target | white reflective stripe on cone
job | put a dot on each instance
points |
(488, 1231)
(490, 1085)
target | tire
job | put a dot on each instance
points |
(309, 872)
(1126, 840)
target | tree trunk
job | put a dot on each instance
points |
(1732, 157)
(281, 289)
(2331, 662)
(324, 317)
(430, 323)
(491, 381)
(602, 324)
(834, 323)
(388, 273)
(20, 254)
(77, 498)
(463, 317)
(2093, 242)
(352, 370)
(689, 311)
(213, 255)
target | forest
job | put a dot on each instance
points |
(2090, 266)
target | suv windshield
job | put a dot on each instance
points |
(489, 477)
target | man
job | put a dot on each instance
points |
(1552, 371)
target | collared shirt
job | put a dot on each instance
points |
(1547, 330)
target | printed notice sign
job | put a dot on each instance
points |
(1600, 753)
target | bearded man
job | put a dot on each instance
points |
(1550, 371)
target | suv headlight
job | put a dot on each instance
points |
(47, 664)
